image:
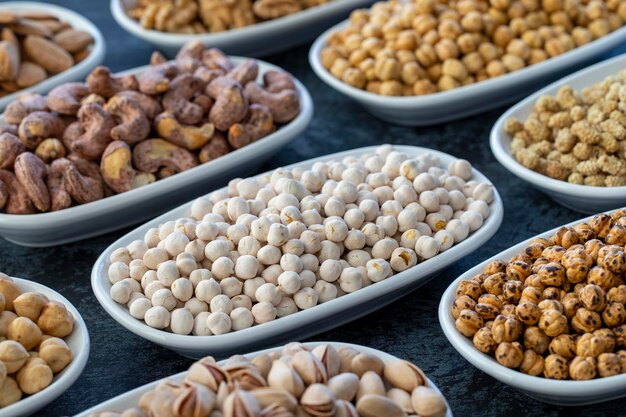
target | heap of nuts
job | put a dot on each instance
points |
(557, 308)
(578, 137)
(296, 380)
(416, 47)
(89, 140)
(32, 349)
(35, 46)
(202, 16)
(268, 246)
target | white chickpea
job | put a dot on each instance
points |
(216, 249)
(437, 172)
(250, 287)
(181, 321)
(200, 325)
(241, 300)
(232, 187)
(309, 262)
(377, 179)
(484, 192)
(278, 234)
(384, 193)
(164, 298)
(289, 282)
(167, 273)
(378, 269)
(457, 214)
(291, 262)
(389, 225)
(246, 266)
(196, 249)
(290, 214)
(269, 255)
(182, 289)
(120, 292)
(256, 207)
(139, 307)
(310, 217)
(271, 273)
(405, 195)
(207, 289)
(310, 203)
(319, 229)
(446, 211)
(473, 219)
(296, 229)
(196, 306)
(354, 174)
(407, 219)
(308, 278)
(373, 233)
(436, 221)
(152, 237)
(461, 168)
(423, 229)
(456, 199)
(329, 250)
(374, 163)
(151, 288)
(200, 207)
(354, 218)
(136, 249)
(134, 296)
(263, 312)
(336, 169)
(429, 200)
(246, 220)
(468, 188)
(351, 279)
(336, 230)
(206, 231)
(400, 182)
(390, 208)
(424, 182)
(402, 259)
(293, 247)
(426, 247)
(248, 188)
(231, 286)
(218, 195)
(444, 240)
(265, 194)
(306, 298)
(325, 291)
(118, 271)
(221, 208)
(248, 246)
(212, 218)
(335, 206)
(384, 150)
(328, 188)
(286, 307)
(221, 302)
(120, 255)
(346, 191)
(157, 317)
(370, 209)
(293, 187)
(268, 292)
(241, 318)
(153, 257)
(458, 229)
(312, 181)
(186, 264)
(236, 232)
(330, 270)
(358, 257)
(283, 200)
(199, 275)
(219, 323)
(409, 238)
(481, 207)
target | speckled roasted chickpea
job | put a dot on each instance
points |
(518, 270)
(552, 293)
(592, 297)
(608, 364)
(470, 288)
(495, 266)
(494, 283)
(461, 303)
(532, 364)
(553, 253)
(585, 321)
(602, 277)
(582, 368)
(563, 345)
(601, 224)
(483, 340)
(506, 329)
(589, 345)
(607, 337)
(620, 335)
(536, 339)
(556, 367)
(612, 259)
(617, 294)
(577, 270)
(552, 274)
(592, 247)
(488, 306)
(468, 322)
(550, 305)
(570, 304)
(532, 295)
(528, 313)
(509, 354)
(512, 291)
(534, 281)
(553, 323)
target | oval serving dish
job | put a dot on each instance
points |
(78, 342)
(464, 101)
(304, 323)
(121, 210)
(78, 71)
(583, 198)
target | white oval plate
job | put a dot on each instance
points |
(255, 40)
(304, 323)
(78, 342)
(581, 198)
(78, 71)
(121, 210)
(568, 393)
(464, 101)
(131, 398)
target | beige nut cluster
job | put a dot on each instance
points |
(85, 141)
(557, 308)
(269, 246)
(578, 137)
(417, 47)
(202, 16)
(36, 45)
(294, 381)
(32, 349)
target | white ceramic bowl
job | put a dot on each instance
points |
(121, 210)
(304, 323)
(468, 100)
(78, 71)
(131, 398)
(255, 40)
(78, 342)
(552, 391)
(581, 198)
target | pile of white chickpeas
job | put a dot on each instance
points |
(268, 246)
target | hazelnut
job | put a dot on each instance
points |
(55, 320)
(10, 392)
(30, 304)
(10, 291)
(56, 353)
(25, 331)
(13, 355)
(509, 354)
(6, 317)
(34, 376)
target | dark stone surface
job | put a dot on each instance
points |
(409, 328)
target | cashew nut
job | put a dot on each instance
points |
(276, 81)
(188, 137)
(117, 169)
(50, 149)
(216, 59)
(156, 79)
(81, 184)
(94, 98)
(38, 126)
(284, 105)
(207, 75)
(203, 101)
(218, 146)
(133, 124)
(97, 125)
(18, 202)
(59, 197)
(177, 99)
(257, 124)
(71, 134)
(102, 82)
(8, 128)
(189, 57)
(231, 105)
(157, 58)
(10, 148)
(245, 72)
(31, 172)
(152, 154)
(149, 105)
(66, 98)
(25, 104)
(4, 194)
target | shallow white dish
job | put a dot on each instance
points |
(581, 198)
(552, 391)
(131, 398)
(463, 101)
(78, 342)
(304, 323)
(78, 71)
(255, 40)
(121, 210)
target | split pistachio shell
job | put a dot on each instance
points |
(378, 405)
(370, 383)
(346, 354)
(266, 396)
(404, 375)
(402, 398)
(364, 362)
(309, 367)
(281, 376)
(329, 357)
(193, 401)
(344, 386)
(318, 400)
(241, 403)
(208, 373)
(345, 409)
(428, 403)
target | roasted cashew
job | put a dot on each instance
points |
(256, 125)
(133, 125)
(59, 197)
(4, 194)
(102, 82)
(218, 146)
(10, 148)
(152, 154)
(276, 81)
(71, 134)
(50, 149)
(177, 99)
(231, 104)
(157, 58)
(8, 128)
(216, 59)
(189, 57)
(245, 72)
(38, 126)
(207, 75)
(189, 137)
(31, 172)
(81, 182)
(117, 169)
(94, 98)
(284, 105)
(25, 104)
(149, 105)
(18, 202)
(66, 98)
(97, 125)
(156, 79)
(203, 101)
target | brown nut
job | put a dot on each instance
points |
(31, 172)
(105, 84)
(563, 345)
(231, 104)
(284, 105)
(592, 297)
(9, 60)
(50, 149)
(506, 329)
(117, 170)
(468, 322)
(157, 78)
(149, 105)
(188, 137)
(483, 340)
(244, 72)
(217, 146)
(582, 368)
(29, 304)
(34, 376)
(589, 345)
(608, 365)
(39, 125)
(614, 315)
(10, 148)
(10, 392)
(528, 313)
(47, 54)
(30, 74)
(277, 81)
(586, 321)
(59, 197)
(55, 320)
(532, 364)
(10, 291)
(24, 331)
(66, 98)
(404, 375)
(152, 154)
(18, 201)
(97, 125)
(536, 339)
(257, 124)
(177, 99)
(73, 40)
(13, 354)
(555, 367)
(26, 103)
(133, 125)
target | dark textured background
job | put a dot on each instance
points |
(409, 328)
